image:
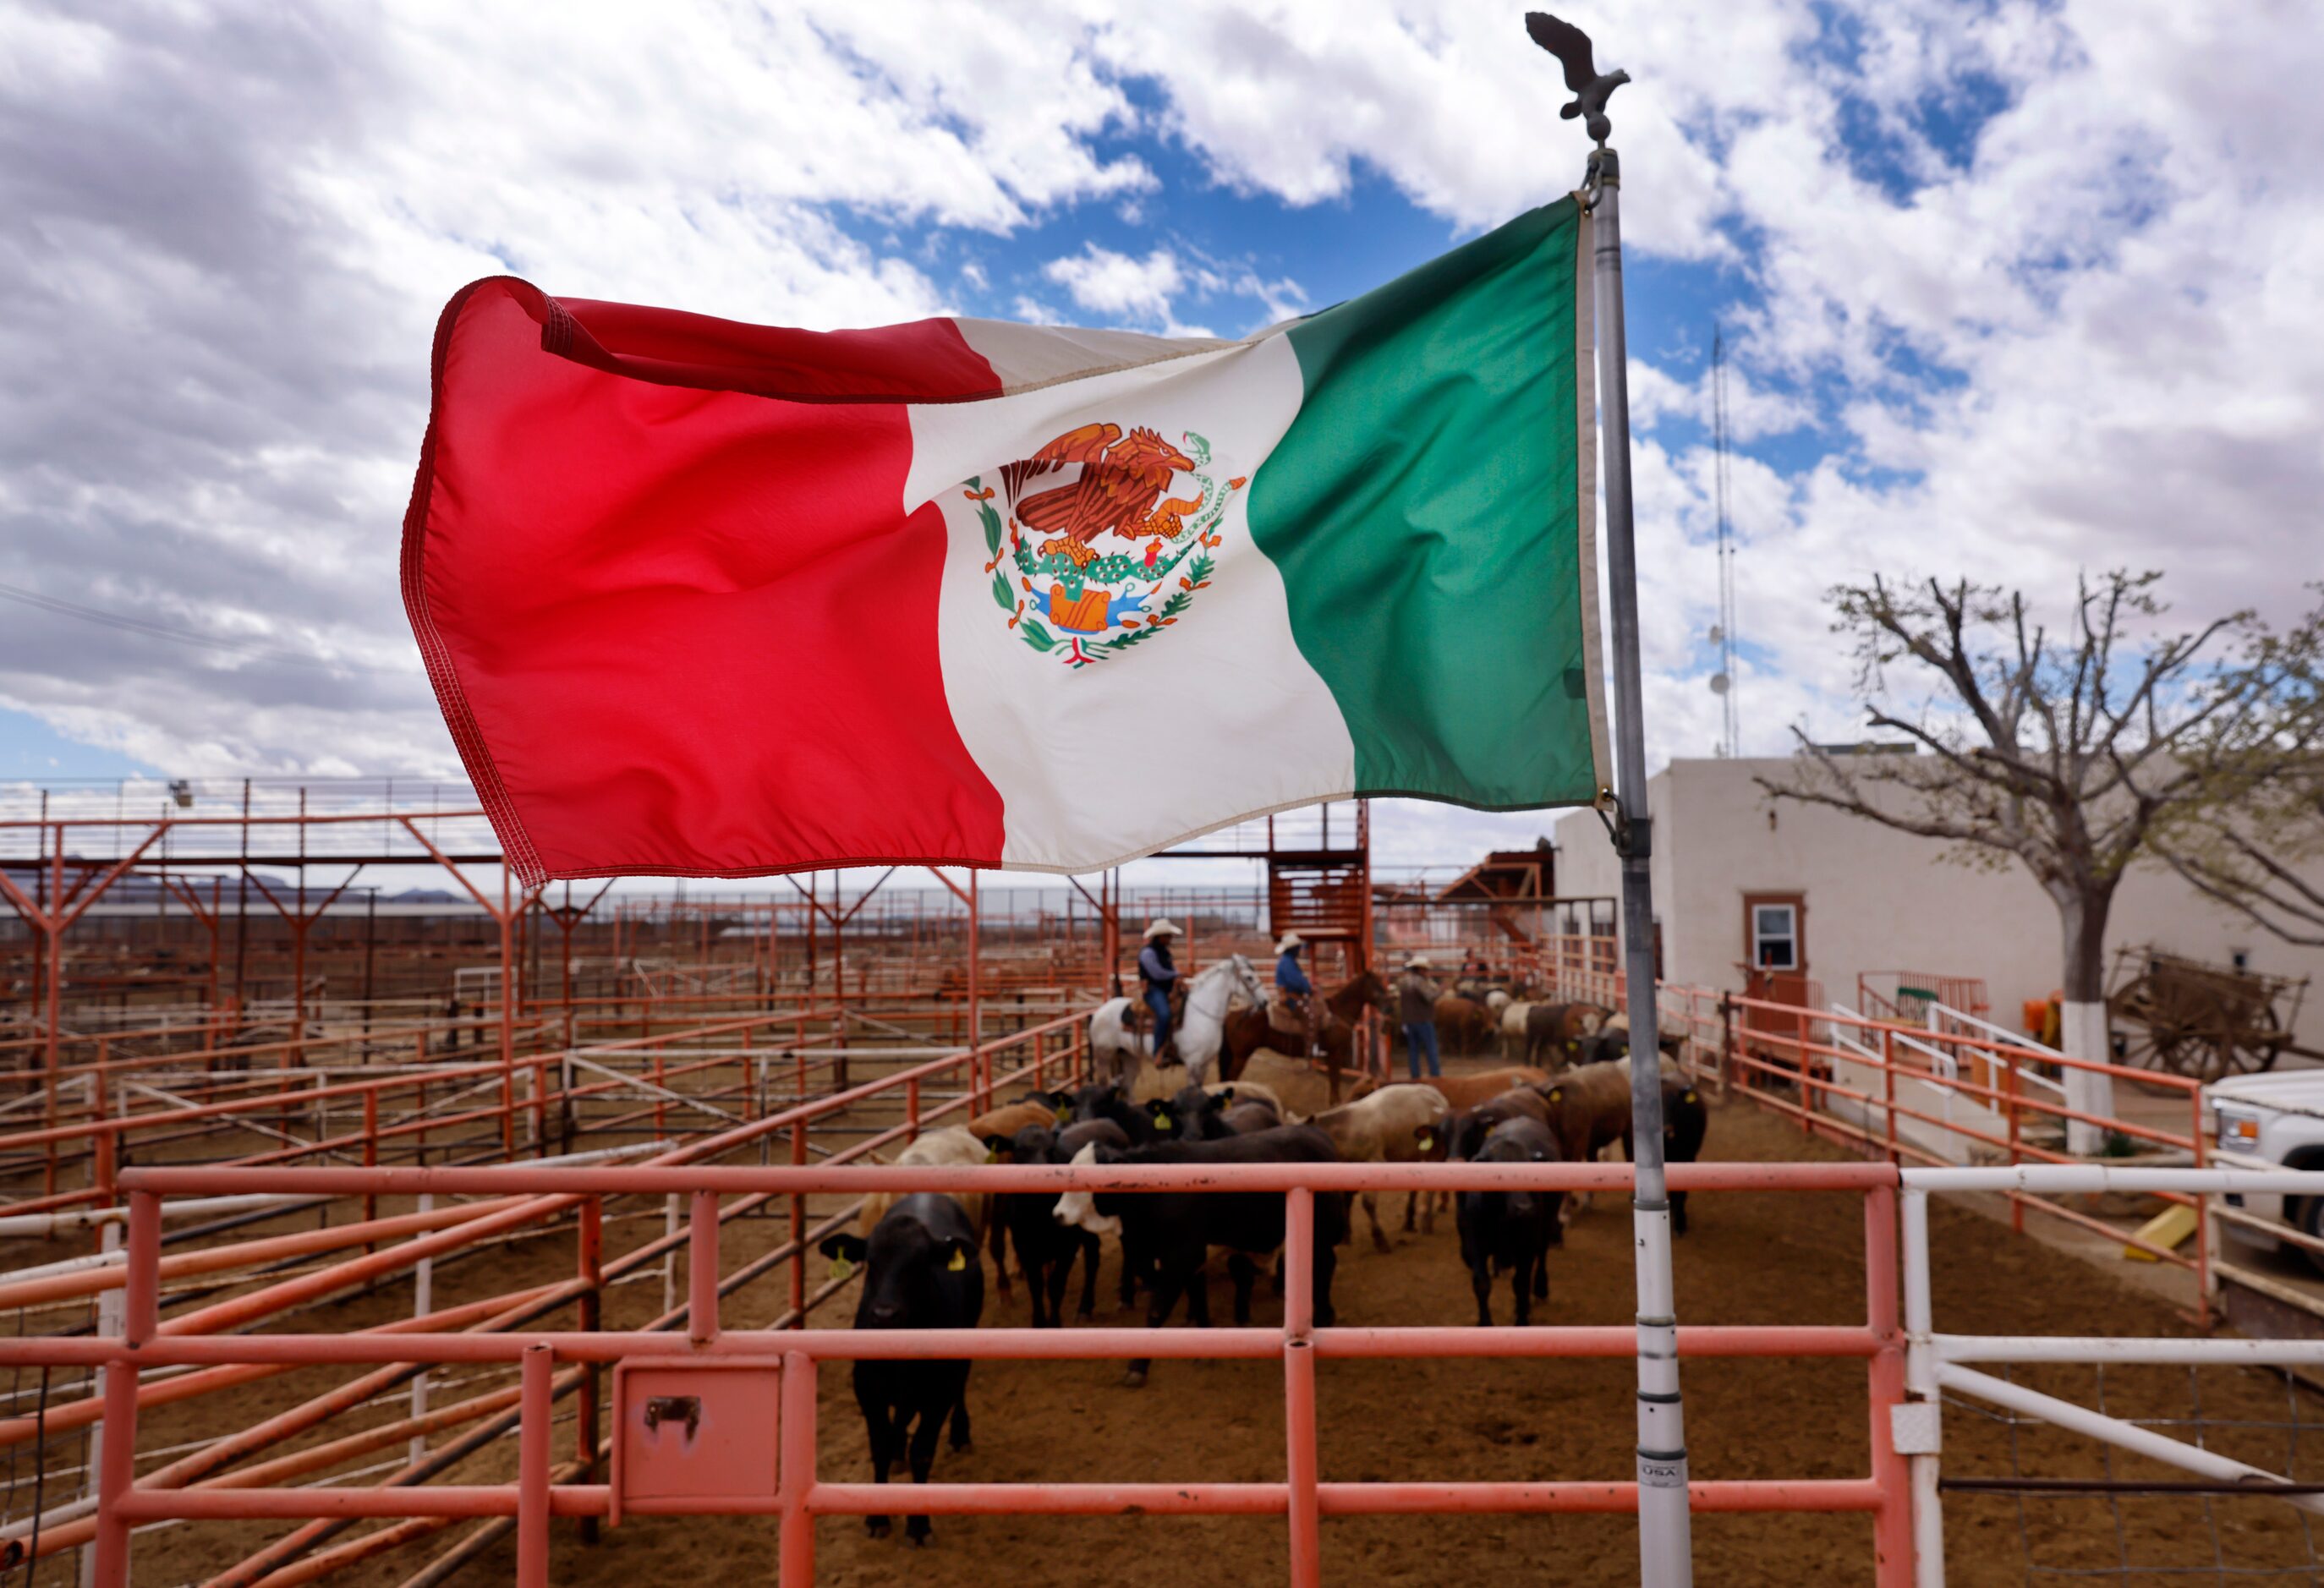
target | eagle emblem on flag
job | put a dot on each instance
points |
(1066, 593)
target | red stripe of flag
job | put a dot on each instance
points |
(678, 627)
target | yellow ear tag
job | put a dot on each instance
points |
(840, 1268)
(1064, 1115)
(958, 1263)
(1558, 1094)
(1688, 1097)
(1427, 1141)
(990, 1156)
(1161, 1120)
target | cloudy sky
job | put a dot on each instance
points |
(2010, 288)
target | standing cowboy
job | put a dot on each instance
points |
(1291, 982)
(1158, 978)
(1416, 1014)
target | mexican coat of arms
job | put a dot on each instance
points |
(1066, 594)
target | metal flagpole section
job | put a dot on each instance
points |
(1665, 1555)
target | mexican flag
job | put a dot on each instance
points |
(703, 598)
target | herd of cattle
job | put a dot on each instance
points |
(922, 1253)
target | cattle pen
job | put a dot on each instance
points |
(477, 1274)
(686, 1351)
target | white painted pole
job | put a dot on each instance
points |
(1919, 1440)
(112, 1317)
(1666, 1555)
(423, 1291)
(1666, 1550)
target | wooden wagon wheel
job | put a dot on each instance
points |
(2152, 1033)
(2254, 1045)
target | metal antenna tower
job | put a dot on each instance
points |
(1722, 634)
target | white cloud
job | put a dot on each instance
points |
(225, 235)
(1119, 286)
(2089, 338)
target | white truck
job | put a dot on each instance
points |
(2275, 1120)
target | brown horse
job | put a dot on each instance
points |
(1247, 1029)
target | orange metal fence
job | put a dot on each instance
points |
(1055, 1050)
(786, 1362)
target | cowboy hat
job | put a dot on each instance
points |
(1418, 962)
(1161, 928)
(1291, 940)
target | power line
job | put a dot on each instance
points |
(134, 625)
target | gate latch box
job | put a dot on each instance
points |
(694, 1434)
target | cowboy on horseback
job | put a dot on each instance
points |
(1157, 977)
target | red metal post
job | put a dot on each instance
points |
(104, 1144)
(508, 1028)
(535, 1407)
(371, 1147)
(140, 1320)
(1807, 1083)
(1888, 1088)
(2016, 1200)
(1891, 1523)
(839, 980)
(702, 1271)
(980, 1068)
(1299, 1386)
(662, 1083)
(592, 1308)
(798, 1225)
(795, 1477)
(53, 1036)
(2202, 1218)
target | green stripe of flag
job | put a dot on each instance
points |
(1427, 509)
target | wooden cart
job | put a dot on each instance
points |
(2183, 1017)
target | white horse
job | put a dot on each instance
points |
(1116, 1054)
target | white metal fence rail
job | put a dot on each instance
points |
(1936, 1362)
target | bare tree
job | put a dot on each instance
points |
(2253, 842)
(2067, 753)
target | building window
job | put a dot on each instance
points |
(1775, 936)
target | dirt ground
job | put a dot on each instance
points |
(1751, 1258)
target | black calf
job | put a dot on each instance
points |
(1046, 1249)
(1144, 1123)
(921, 1272)
(1175, 1230)
(1510, 1231)
(1686, 1120)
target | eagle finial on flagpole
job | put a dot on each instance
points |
(1572, 47)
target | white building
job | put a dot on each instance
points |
(1742, 879)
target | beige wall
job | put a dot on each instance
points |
(1878, 900)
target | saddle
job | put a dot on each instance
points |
(1284, 1016)
(1139, 1021)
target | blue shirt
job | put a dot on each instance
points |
(1154, 968)
(1289, 977)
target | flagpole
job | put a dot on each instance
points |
(1665, 1557)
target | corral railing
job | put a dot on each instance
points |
(367, 1111)
(712, 1360)
(1942, 1363)
(1950, 1089)
(1958, 1095)
(926, 1093)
